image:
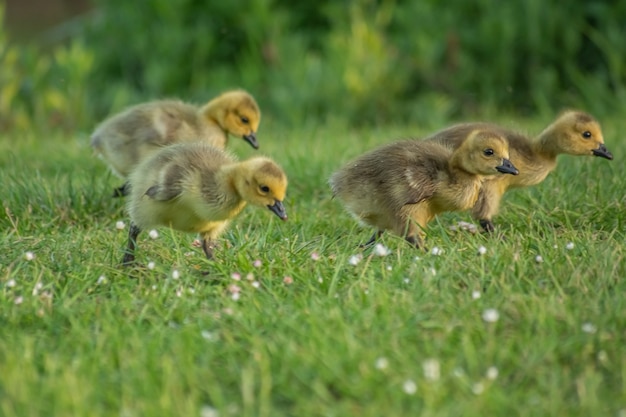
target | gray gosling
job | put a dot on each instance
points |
(199, 188)
(402, 186)
(572, 133)
(127, 138)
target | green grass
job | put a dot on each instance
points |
(142, 343)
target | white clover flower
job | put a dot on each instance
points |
(19, 300)
(315, 256)
(151, 265)
(153, 234)
(235, 296)
(569, 246)
(478, 388)
(37, 287)
(409, 387)
(236, 276)
(492, 373)
(179, 292)
(207, 335)
(389, 268)
(288, 280)
(436, 251)
(101, 280)
(491, 315)
(482, 250)
(381, 363)
(320, 279)
(175, 274)
(432, 271)
(257, 263)
(588, 328)
(208, 411)
(538, 259)
(355, 259)
(29, 256)
(250, 276)
(10, 283)
(256, 284)
(432, 370)
(476, 295)
(120, 225)
(381, 250)
(406, 280)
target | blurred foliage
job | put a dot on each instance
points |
(364, 61)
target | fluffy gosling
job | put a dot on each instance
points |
(198, 188)
(127, 138)
(404, 185)
(572, 133)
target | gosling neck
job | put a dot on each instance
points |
(459, 173)
(231, 181)
(214, 113)
(547, 143)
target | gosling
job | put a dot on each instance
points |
(572, 133)
(127, 138)
(198, 188)
(402, 186)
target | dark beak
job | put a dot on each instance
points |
(603, 152)
(279, 210)
(251, 139)
(507, 167)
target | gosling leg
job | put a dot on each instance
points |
(122, 191)
(372, 239)
(415, 241)
(129, 255)
(487, 225)
(207, 246)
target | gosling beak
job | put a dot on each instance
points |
(279, 210)
(251, 139)
(603, 152)
(507, 167)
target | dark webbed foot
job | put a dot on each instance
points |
(416, 242)
(208, 246)
(487, 225)
(121, 191)
(372, 239)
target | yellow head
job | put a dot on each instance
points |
(484, 153)
(237, 113)
(260, 181)
(576, 133)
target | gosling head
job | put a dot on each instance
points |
(578, 133)
(485, 153)
(237, 113)
(263, 183)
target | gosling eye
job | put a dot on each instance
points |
(245, 120)
(488, 152)
(586, 134)
(264, 188)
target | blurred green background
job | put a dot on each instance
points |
(363, 62)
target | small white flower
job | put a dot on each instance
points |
(482, 250)
(207, 335)
(476, 295)
(257, 263)
(588, 328)
(179, 292)
(250, 276)
(538, 259)
(432, 370)
(315, 256)
(29, 256)
(120, 225)
(492, 373)
(256, 284)
(417, 258)
(191, 290)
(320, 279)
(491, 315)
(381, 363)
(388, 267)
(406, 280)
(355, 259)
(151, 265)
(234, 288)
(208, 411)
(288, 280)
(433, 271)
(236, 276)
(381, 250)
(153, 234)
(436, 251)
(175, 274)
(602, 356)
(235, 296)
(409, 387)
(569, 246)
(10, 283)
(101, 280)
(555, 246)
(37, 287)
(478, 388)
(19, 300)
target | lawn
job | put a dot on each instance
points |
(286, 322)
